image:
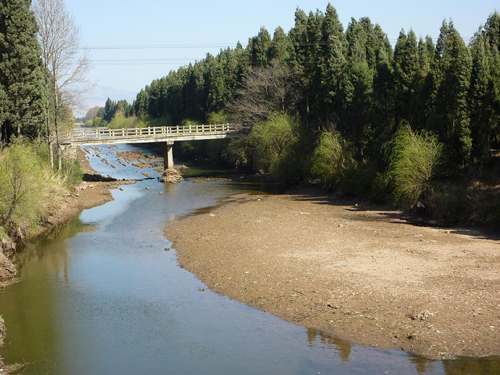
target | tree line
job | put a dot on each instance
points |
(352, 81)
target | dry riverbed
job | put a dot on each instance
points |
(356, 271)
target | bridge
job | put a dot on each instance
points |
(164, 134)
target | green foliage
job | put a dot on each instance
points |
(28, 187)
(22, 79)
(120, 121)
(220, 117)
(72, 171)
(414, 159)
(190, 122)
(381, 187)
(237, 153)
(273, 147)
(331, 158)
(468, 203)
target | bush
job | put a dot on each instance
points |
(414, 158)
(269, 141)
(220, 117)
(236, 153)
(273, 145)
(120, 121)
(331, 158)
(28, 186)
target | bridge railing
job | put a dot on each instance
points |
(103, 133)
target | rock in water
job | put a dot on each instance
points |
(172, 176)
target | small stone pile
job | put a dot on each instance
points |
(172, 176)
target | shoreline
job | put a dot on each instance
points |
(359, 272)
(85, 195)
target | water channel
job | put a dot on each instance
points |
(100, 295)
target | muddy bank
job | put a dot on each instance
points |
(352, 270)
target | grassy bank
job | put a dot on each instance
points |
(30, 188)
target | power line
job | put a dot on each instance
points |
(158, 46)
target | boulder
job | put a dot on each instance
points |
(172, 176)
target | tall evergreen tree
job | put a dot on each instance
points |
(332, 62)
(452, 72)
(21, 74)
(355, 87)
(480, 100)
(406, 70)
(258, 46)
(281, 47)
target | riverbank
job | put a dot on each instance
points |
(84, 196)
(356, 271)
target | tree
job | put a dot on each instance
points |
(67, 66)
(452, 73)
(22, 84)
(333, 49)
(264, 91)
(280, 46)
(258, 46)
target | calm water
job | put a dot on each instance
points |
(100, 295)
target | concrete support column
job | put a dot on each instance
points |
(168, 155)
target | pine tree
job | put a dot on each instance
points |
(452, 72)
(492, 29)
(258, 46)
(405, 74)
(480, 100)
(332, 62)
(355, 88)
(281, 47)
(21, 74)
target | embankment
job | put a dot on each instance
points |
(356, 271)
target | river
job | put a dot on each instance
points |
(100, 295)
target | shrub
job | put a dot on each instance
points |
(120, 121)
(331, 158)
(414, 158)
(236, 153)
(28, 186)
(273, 146)
(220, 117)
(270, 139)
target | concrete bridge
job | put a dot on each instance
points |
(164, 134)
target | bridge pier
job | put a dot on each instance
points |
(168, 155)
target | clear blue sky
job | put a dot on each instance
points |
(216, 23)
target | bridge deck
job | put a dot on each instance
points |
(149, 135)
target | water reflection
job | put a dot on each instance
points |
(342, 347)
(467, 366)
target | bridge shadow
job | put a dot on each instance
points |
(386, 212)
(95, 177)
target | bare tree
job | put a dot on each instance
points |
(66, 63)
(264, 91)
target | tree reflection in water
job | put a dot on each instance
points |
(342, 347)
